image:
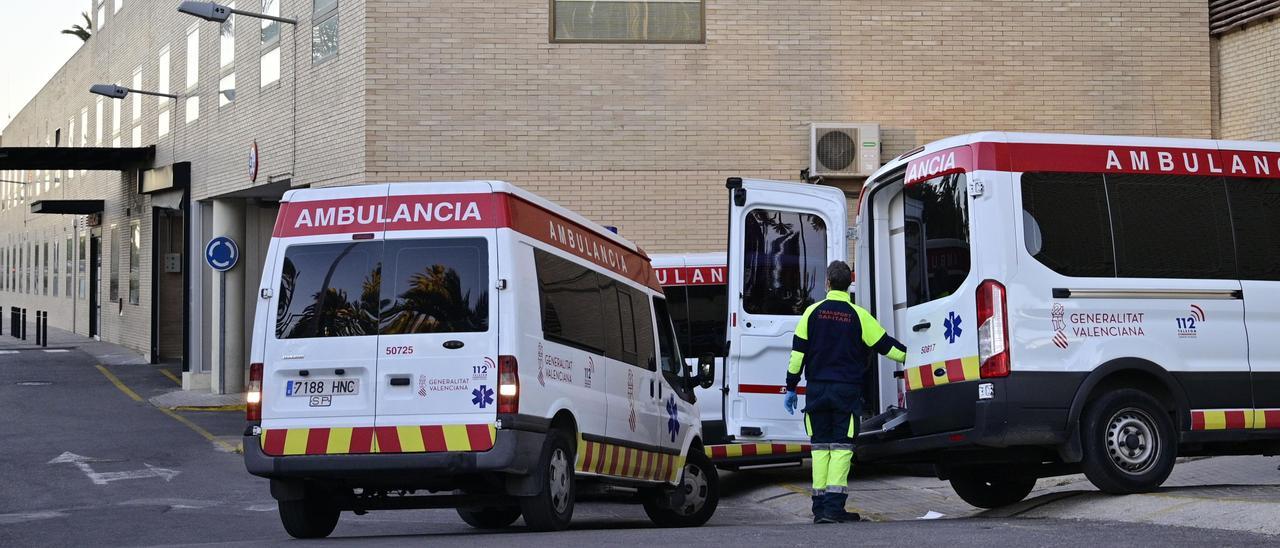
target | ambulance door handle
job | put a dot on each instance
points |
(921, 326)
(650, 388)
(399, 381)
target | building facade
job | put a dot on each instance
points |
(630, 112)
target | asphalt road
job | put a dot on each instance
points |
(83, 463)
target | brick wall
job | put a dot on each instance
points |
(1247, 70)
(642, 136)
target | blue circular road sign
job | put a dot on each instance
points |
(222, 253)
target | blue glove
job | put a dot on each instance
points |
(789, 402)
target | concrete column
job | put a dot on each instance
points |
(227, 331)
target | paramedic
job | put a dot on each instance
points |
(830, 347)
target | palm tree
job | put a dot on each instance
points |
(82, 32)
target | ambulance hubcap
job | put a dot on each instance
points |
(1132, 442)
(559, 474)
(695, 490)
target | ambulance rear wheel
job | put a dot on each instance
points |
(490, 517)
(992, 493)
(313, 516)
(1129, 442)
(552, 508)
(694, 499)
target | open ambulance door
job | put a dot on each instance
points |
(781, 238)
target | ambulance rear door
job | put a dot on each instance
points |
(781, 238)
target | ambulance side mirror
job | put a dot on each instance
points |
(706, 370)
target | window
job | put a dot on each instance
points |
(785, 262)
(114, 284)
(569, 295)
(97, 123)
(67, 265)
(227, 90)
(329, 290)
(1253, 206)
(436, 286)
(54, 268)
(226, 61)
(137, 97)
(115, 121)
(627, 315)
(193, 73)
(270, 43)
(42, 266)
(324, 30)
(119, 4)
(937, 237)
(162, 103)
(699, 314)
(84, 126)
(135, 261)
(1171, 226)
(101, 20)
(1066, 225)
(82, 263)
(669, 357)
(627, 21)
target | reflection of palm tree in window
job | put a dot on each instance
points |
(435, 303)
(288, 282)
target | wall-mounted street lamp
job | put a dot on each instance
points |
(219, 13)
(119, 92)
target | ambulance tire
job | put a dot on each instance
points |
(552, 508)
(992, 493)
(700, 482)
(490, 517)
(313, 516)
(1129, 442)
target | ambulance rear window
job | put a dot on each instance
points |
(937, 238)
(329, 290)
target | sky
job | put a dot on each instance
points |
(31, 48)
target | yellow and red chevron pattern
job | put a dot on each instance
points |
(736, 450)
(615, 460)
(378, 439)
(943, 372)
(1235, 419)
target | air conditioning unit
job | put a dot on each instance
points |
(843, 150)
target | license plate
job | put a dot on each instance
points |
(321, 387)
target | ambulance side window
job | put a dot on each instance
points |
(708, 320)
(678, 307)
(571, 307)
(937, 238)
(1254, 203)
(329, 290)
(669, 358)
(1066, 223)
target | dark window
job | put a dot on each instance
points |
(635, 343)
(785, 262)
(1254, 203)
(436, 286)
(1171, 226)
(1066, 224)
(937, 238)
(329, 290)
(708, 320)
(324, 30)
(570, 299)
(627, 20)
(670, 359)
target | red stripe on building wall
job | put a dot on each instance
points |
(318, 441)
(273, 442)
(388, 439)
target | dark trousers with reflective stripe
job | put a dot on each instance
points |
(831, 420)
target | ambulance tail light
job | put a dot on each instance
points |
(253, 396)
(993, 330)
(508, 385)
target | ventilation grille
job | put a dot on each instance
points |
(1228, 15)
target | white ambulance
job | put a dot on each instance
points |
(1069, 303)
(698, 296)
(465, 345)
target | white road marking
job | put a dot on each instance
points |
(8, 351)
(57, 350)
(103, 478)
(10, 519)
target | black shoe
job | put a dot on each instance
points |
(846, 517)
(824, 520)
